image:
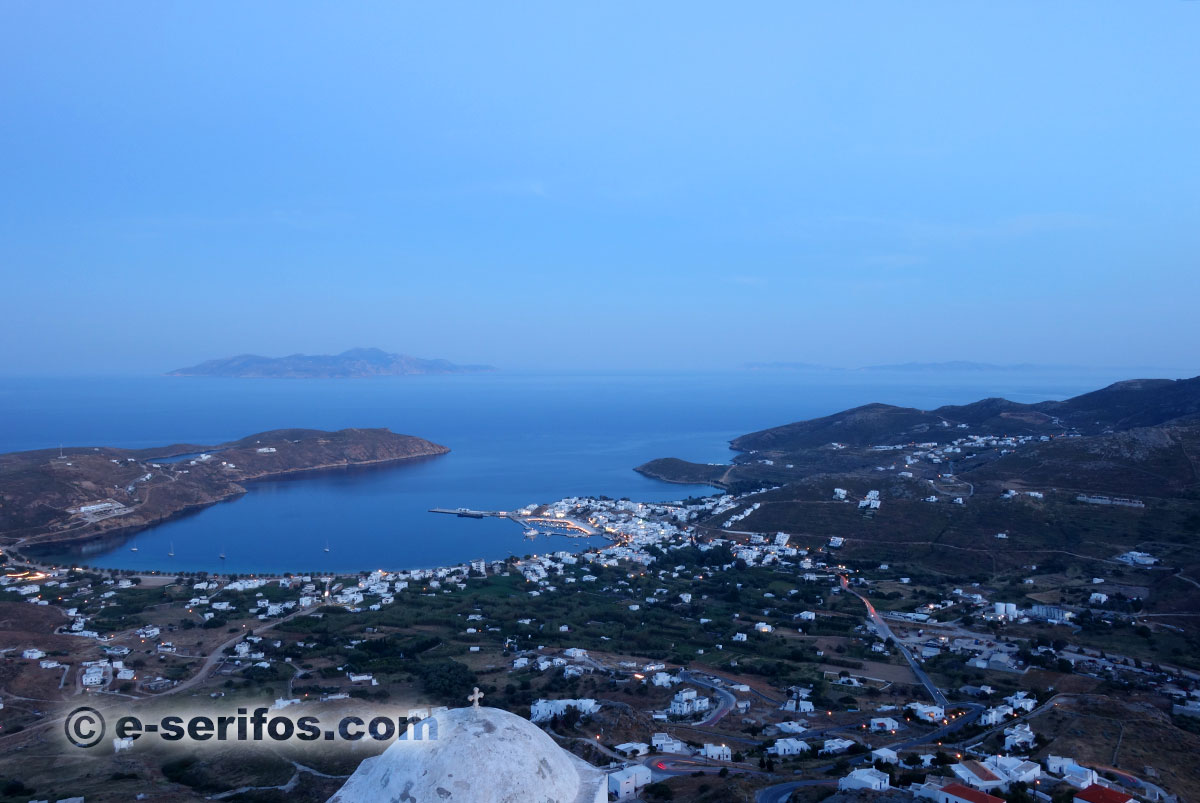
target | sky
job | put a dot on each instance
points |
(597, 186)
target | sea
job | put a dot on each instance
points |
(515, 439)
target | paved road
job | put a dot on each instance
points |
(668, 766)
(727, 699)
(884, 631)
(781, 792)
(218, 656)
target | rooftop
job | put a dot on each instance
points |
(972, 795)
(1102, 794)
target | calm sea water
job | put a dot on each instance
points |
(515, 439)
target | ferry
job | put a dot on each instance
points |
(531, 533)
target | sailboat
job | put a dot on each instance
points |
(133, 549)
(326, 546)
(171, 554)
(222, 555)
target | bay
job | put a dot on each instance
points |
(515, 439)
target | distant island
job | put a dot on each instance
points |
(352, 364)
(961, 366)
(54, 496)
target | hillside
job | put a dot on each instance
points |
(1123, 405)
(1148, 461)
(1053, 489)
(47, 497)
(355, 363)
(1133, 437)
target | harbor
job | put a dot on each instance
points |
(534, 524)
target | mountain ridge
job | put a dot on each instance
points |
(1119, 406)
(1090, 441)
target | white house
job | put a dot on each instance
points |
(1018, 736)
(797, 705)
(866, 778)
(625, 783)
(545, 710)
(886, 755)
(1071, 771)
(974, 774)
(1013, 770)
(789, 747)
(836, 746)
(686, 702)
(994, 716)
(955, 793)
(1020, 702)
(633, 748)
(717, 752)
(929, 713)
(880, 724)
(665, 743)
(663, 679)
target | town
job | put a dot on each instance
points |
(690, 657)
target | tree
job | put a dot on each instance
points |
(658, 791)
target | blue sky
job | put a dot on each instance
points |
(600, 185)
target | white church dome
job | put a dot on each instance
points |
(480, 755)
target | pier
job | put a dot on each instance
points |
(554, 525)
(467, 513)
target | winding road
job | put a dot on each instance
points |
(726, 698)
(885, 632)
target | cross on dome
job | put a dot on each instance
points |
(475, 697)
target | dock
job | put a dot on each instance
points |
(467, 513)
(551, 525)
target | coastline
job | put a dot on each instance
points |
(51, 492)
(40, 562)
(702, 474)
(125, 531)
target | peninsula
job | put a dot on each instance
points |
(1112, 440)
(54, 496)
(352, 364)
